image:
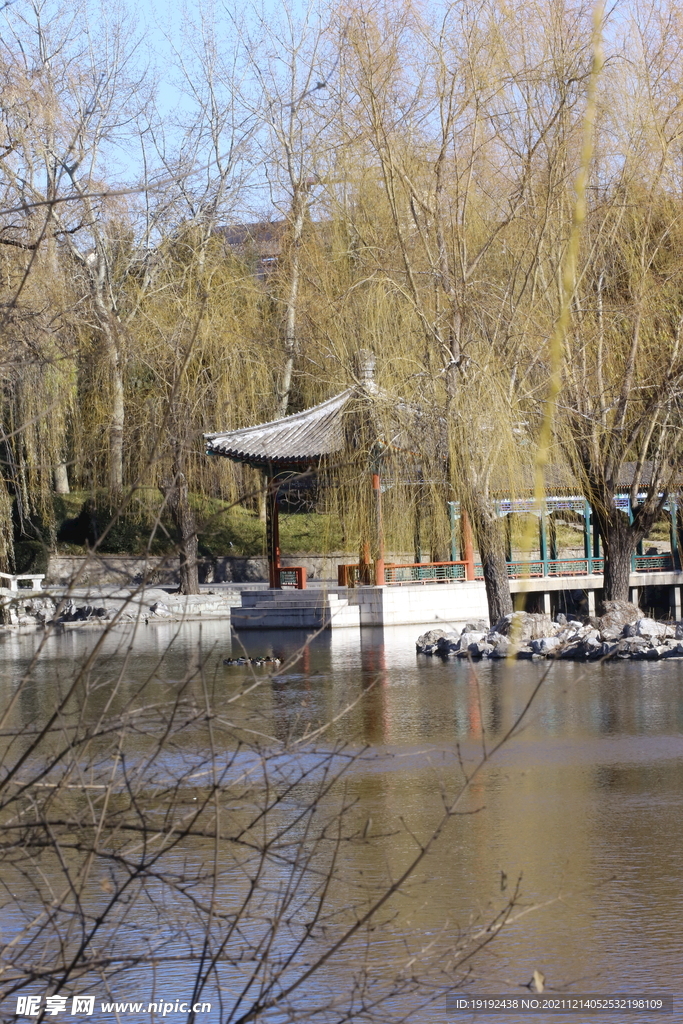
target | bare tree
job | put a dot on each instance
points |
(291, 61)
(623, 365)
(87, 102)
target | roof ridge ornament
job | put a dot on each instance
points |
(365, 363)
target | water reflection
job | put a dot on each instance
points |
(396, 697)
(585, 803)
(376, 722)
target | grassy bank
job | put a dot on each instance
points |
(81, 519)
(145, 527)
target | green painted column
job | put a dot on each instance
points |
(543, 541)
(587, 545)
(452, 519)
(633, 557)
(508, 537)
(675, 555)
(552, 537)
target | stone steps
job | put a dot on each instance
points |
(293, 609)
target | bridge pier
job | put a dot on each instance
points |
(545, 586)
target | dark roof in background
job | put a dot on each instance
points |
(559, 479)
(264, 238)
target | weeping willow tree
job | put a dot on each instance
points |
(622, 424)
(37, 337)
(75, 97)
(440, 154)
(39, 391)
(452, 151)
(619, 405)
(198, 364)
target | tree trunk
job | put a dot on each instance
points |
(620, 540)
(109, 328)
(116, 424)
(263, 499)
(176, 494)
(61, 478)
(492, 553)
(617, 572)
(299, 207)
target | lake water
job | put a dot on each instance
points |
(582, 809)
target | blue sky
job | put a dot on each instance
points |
(163, 23)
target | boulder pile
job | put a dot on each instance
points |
(622, 631)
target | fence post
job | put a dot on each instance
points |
(454, 538)
(379, 526)
(675, 558)
(587, 543)
(543, 541)
(633, 557)
(468, 545)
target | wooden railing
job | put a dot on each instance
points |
(453, 572)
(346, 576)
(355, 575)
(551, 567)
(555, 567)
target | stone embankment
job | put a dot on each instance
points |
(621, 632)
(40, 608)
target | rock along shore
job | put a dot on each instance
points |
(39, 608)
(622, 631)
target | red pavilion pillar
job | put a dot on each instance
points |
(273, 534)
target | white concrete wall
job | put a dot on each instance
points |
(439, 604)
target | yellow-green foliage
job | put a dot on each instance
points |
(437, 178)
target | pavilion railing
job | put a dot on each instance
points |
(654, 563)
(534, 568)
(425, 572)
(453, 572)
(350, 575)
(555, 567)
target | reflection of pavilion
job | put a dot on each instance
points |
(294, 448)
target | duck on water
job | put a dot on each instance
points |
(252, 661)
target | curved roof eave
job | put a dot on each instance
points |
(301, 439)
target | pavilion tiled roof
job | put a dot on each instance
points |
(301, 439)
